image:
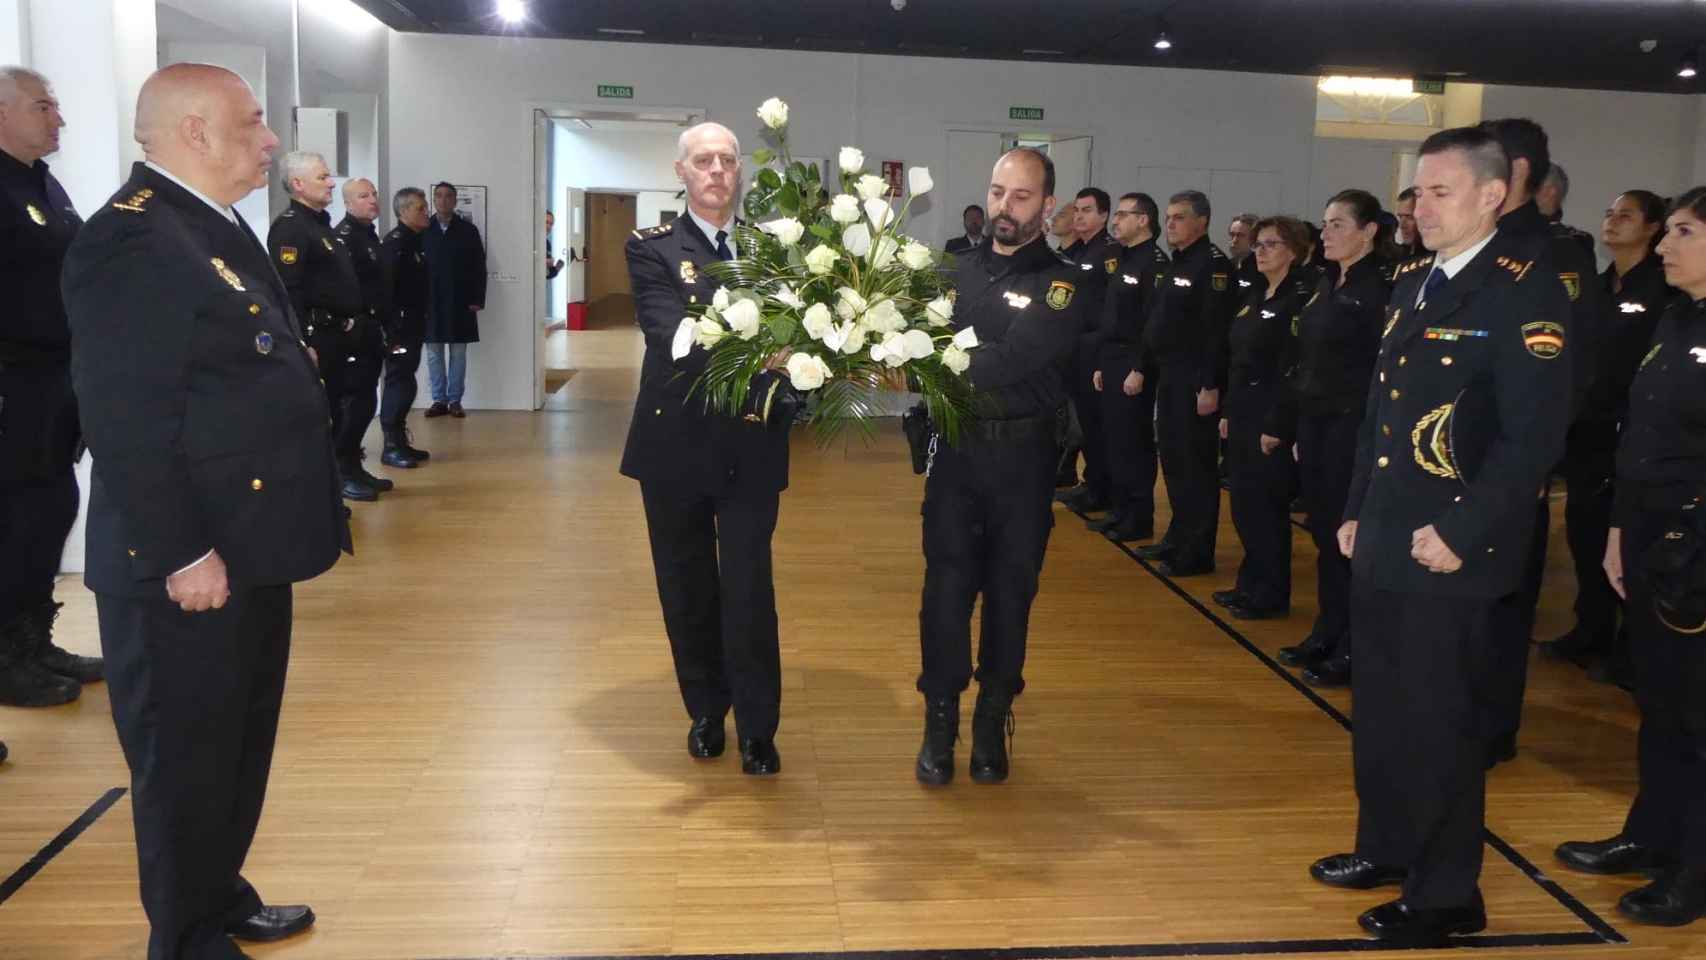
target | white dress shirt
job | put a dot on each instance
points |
(1455, 265)
(710, 230)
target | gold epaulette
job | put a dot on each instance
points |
(137, 203)
(1518, 268)
(1415, 264)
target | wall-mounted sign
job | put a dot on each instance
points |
(1024, 113)
(1435, 87)
(612, 91)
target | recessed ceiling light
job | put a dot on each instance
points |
(622, 31)
(513, 11)
(1163, 39)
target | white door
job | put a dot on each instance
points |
(1072, 168)
(971, 158)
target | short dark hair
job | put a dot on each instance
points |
(1485, 154)
(1408, 193)
(1694, 201)
(1291, 230)
(1365, 209)
(1097, 194)
(444, 185)
(1042, 159)
(1652, 205)
(969, 208)
(1146, 206)
(1561, 177)
(401, 197)
(1248, 219)
(1523, 139)
(1196, 198)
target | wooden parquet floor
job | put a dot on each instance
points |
(482, 753)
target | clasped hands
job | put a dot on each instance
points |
(1426, 548)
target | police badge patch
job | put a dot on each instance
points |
(689, 273)
(1059, 294)
(1572, 285)
(1220, 281)
(1543, 338)
(1112, 263)
(286, 255)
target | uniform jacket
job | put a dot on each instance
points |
(1556, 244)
(1632, 313)
(1125, 308)
(1661, 456)
(361, 239)
(1098, 261)
(319, 273)
(205, 414)
(38, 413)
(1338, 336)
(457, 260)
(674, 443)
(1464, 419)
(1262, 342)
(402, 260)
(1027, 312)
(1186, 333)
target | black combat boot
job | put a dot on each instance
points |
(39, 624)
(941, 729)
(991, 730)
(378, 483)
(396, 452)
(354, 487)
(23, 681)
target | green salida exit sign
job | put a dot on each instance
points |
(1024, 113)
(615, 92)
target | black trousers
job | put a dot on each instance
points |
(1190, 448)
(1128, 442)
(1262, 486)
(360, 400)
(400, 386)
(1589, 468)
(36, 515)
(1087, 404)
(1326, 456)
(1510, 635)
(195, 698)
(987, 516)
(1669, 813)
(1418, 746)
(712, 560)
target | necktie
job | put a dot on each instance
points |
(723, 252)
(1431, 285)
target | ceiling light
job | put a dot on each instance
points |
(513, 11)
(1365, 86)
(622, 31)
(1689, 68)
(1163, 40)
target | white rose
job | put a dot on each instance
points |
(807, 372)
(915, 255)
(851, 161)
(878, 212)
(818, 321)
(918, 178)
(916, 344)
(939, 311)
(956, 359)
(849, 338)
(966, 339)
(774, 113)
(891, 352)
(683, 342)
(857, 240)
(885, 317)
(707, 332)
(844, 208)
(850, 305)
(871, 188)
(720, 299)
(821, 259)
(883, 254)
(787, 230)
(786, 296)
(742, 317)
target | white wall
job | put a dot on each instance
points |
(640, 159)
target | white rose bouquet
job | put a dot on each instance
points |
(830, 288)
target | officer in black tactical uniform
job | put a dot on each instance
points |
(1128, 412)
(324, 290)
(1185, 344)
(38, 413)
(1097, 257)
(404, 262)
(367, 348)
(1465, 416)
(987, 512)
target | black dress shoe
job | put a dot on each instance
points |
(706, 739)
(1156, 551)
(1398, 922)
(758, 758)
(1674, 900)
(1610, 857)
(437, 410)
(1227, 598)
(1130, 529)
(397, 457)
(356, 490)
(1311, 651)
(1085, 500)
(1176, 567)
(1354, 872)
(1576, 647)
(1330, 673)
(1250, 611)
(941, 728)
(273, 923)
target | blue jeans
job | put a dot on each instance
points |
(446, 390)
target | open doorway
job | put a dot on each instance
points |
(611, 219)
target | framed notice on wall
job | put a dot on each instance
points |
(471, 205)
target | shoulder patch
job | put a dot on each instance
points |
(1112, 264)
(1520, 268)
(1543, 338)
(344, 229)
(287, 255)
(1572, 285)
(1413, 265)
(652, 233)
(1059, 294)
(289, 213)
(135, 203)
(1220, 282)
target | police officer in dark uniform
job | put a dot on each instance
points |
(1529, 235)
(356, 231)
(1263, 347)
(1185, 343)
(320, 274)
(38, 413)
(214, 491)
(1633, 295)
(405, 269)
(1097, 256)
(1128, 413)
(1321, 411)
(710, 483)
(1661, 491)
(1465, 416)
(987, 512)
